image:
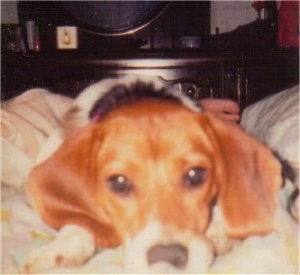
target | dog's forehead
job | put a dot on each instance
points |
(158, 121)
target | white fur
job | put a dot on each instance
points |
(200, 252)
(73, 245)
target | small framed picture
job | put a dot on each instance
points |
(66, 37)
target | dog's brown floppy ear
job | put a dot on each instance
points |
(62, 188)
(248, 180)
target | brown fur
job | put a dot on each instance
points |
(153, 144)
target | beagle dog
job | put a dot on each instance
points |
(141, 166)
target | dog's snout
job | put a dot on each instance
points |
(174, 254)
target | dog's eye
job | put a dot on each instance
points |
(194, 177)
(120, 184)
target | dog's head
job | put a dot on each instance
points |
(147, 172)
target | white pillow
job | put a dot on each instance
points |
(26, 123)
(275, 121)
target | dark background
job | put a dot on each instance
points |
(180, 18)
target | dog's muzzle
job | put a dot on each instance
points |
(157, 250)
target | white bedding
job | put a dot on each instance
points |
(275, 122)
(29, 121)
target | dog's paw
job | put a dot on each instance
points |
(72, 246)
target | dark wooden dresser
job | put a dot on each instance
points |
(243, 76)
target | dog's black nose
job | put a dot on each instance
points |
(174, 254)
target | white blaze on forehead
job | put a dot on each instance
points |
(200, 252)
